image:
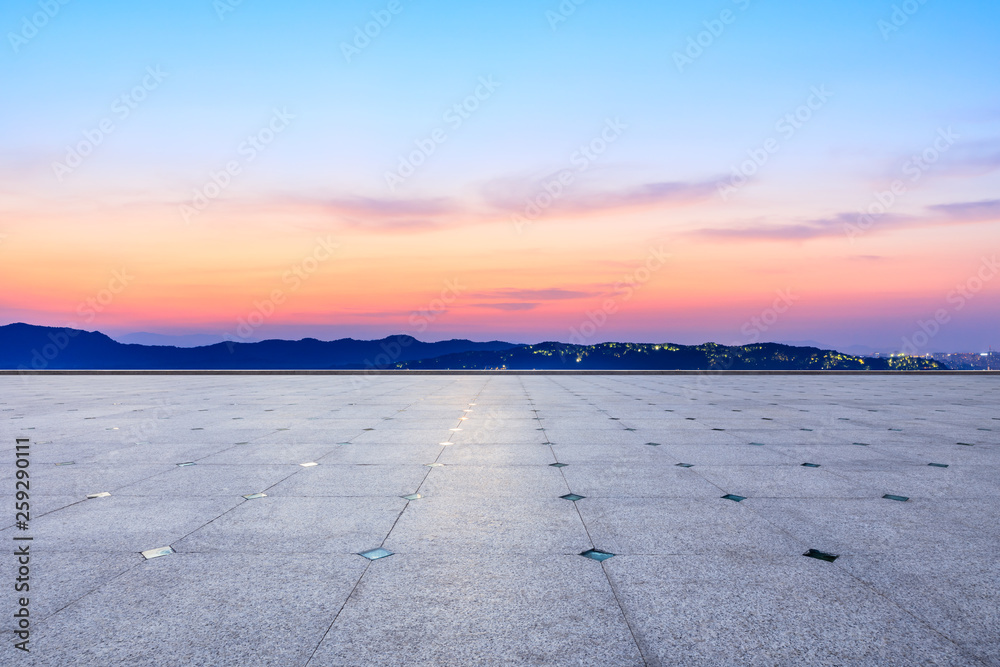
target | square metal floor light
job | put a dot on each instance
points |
(156, 553)
(821, 555)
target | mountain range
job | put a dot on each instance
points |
(30, 347)
(25, 346)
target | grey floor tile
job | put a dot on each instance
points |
(219, 609)
(208, 479)
(678, 526)
(716, 610)
(295, 525)
(622, 480)
(513, 526)
(475, 608)
(125, 524)
(957, 597)
(345, 479)
(461, 481)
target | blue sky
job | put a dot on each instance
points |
(606, 59)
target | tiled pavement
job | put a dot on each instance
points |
(486, 565)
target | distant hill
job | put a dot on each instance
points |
(638, 356)
(183, 340)
(25, 346)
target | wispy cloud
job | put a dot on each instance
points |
(374, 214)
(497, 201)
(971, 158)
(550, 294)
(648, 194)
(976, 211)
(509, 306)
(382, 207)
(937, 215)
(402, 225)
(511, 195)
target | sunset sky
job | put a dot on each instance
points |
(524, 171)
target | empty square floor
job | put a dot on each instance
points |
(504, 519)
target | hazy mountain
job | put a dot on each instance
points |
(806, 343)
(179, 340)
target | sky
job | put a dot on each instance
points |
(584, 171)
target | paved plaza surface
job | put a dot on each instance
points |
(486, 565)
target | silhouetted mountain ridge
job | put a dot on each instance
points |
(649, 356)
(30, 347)
(25, 346)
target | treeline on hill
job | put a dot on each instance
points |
(647, 356)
